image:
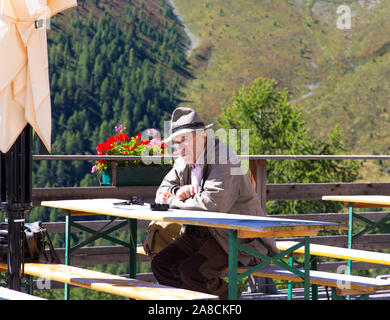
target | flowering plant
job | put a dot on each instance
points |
(122, 144)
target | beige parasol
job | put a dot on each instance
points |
(24, 76)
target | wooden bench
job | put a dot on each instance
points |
(344, 284)
(8, 294)
(131, 288)
(349, 255)
(339, 253)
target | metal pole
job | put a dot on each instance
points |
(233, 264)
(350, 237)
(16, 200)
(307, 268)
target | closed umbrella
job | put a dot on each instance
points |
(24, 104)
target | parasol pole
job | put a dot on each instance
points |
(16, 200)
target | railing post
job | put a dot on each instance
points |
(258, 176)
(261, 186)
(113, 173)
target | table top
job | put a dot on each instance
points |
(372, 201)
(248, 226)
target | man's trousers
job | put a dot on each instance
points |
(194, 261)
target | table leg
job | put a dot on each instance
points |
(67, 250)
(233, 264)
(133, 248)
(350, 231)
(276, 259)
(350, 236)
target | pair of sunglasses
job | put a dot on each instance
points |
(137, 200)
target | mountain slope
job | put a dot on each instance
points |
(339, 77)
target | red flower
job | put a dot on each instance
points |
(103, 147)
(122, 137)
(111, 140)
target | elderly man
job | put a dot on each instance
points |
(206, 176)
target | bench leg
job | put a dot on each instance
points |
(291, 264)
(29, 284)
(335, 296)
(314, 287)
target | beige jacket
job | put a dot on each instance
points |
(220, 191)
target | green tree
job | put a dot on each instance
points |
(276, 128)
(105, 90)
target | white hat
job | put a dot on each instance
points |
(185, 120)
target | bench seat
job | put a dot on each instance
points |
(344, 284)
(132, 288)
(339, 253)
(8, 294)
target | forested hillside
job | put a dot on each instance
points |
(111, 62)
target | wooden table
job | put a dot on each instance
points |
(363, 201)
(239, 226)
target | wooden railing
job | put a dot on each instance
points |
(258, 175)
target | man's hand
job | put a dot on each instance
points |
(162, 196)
(185, 192)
